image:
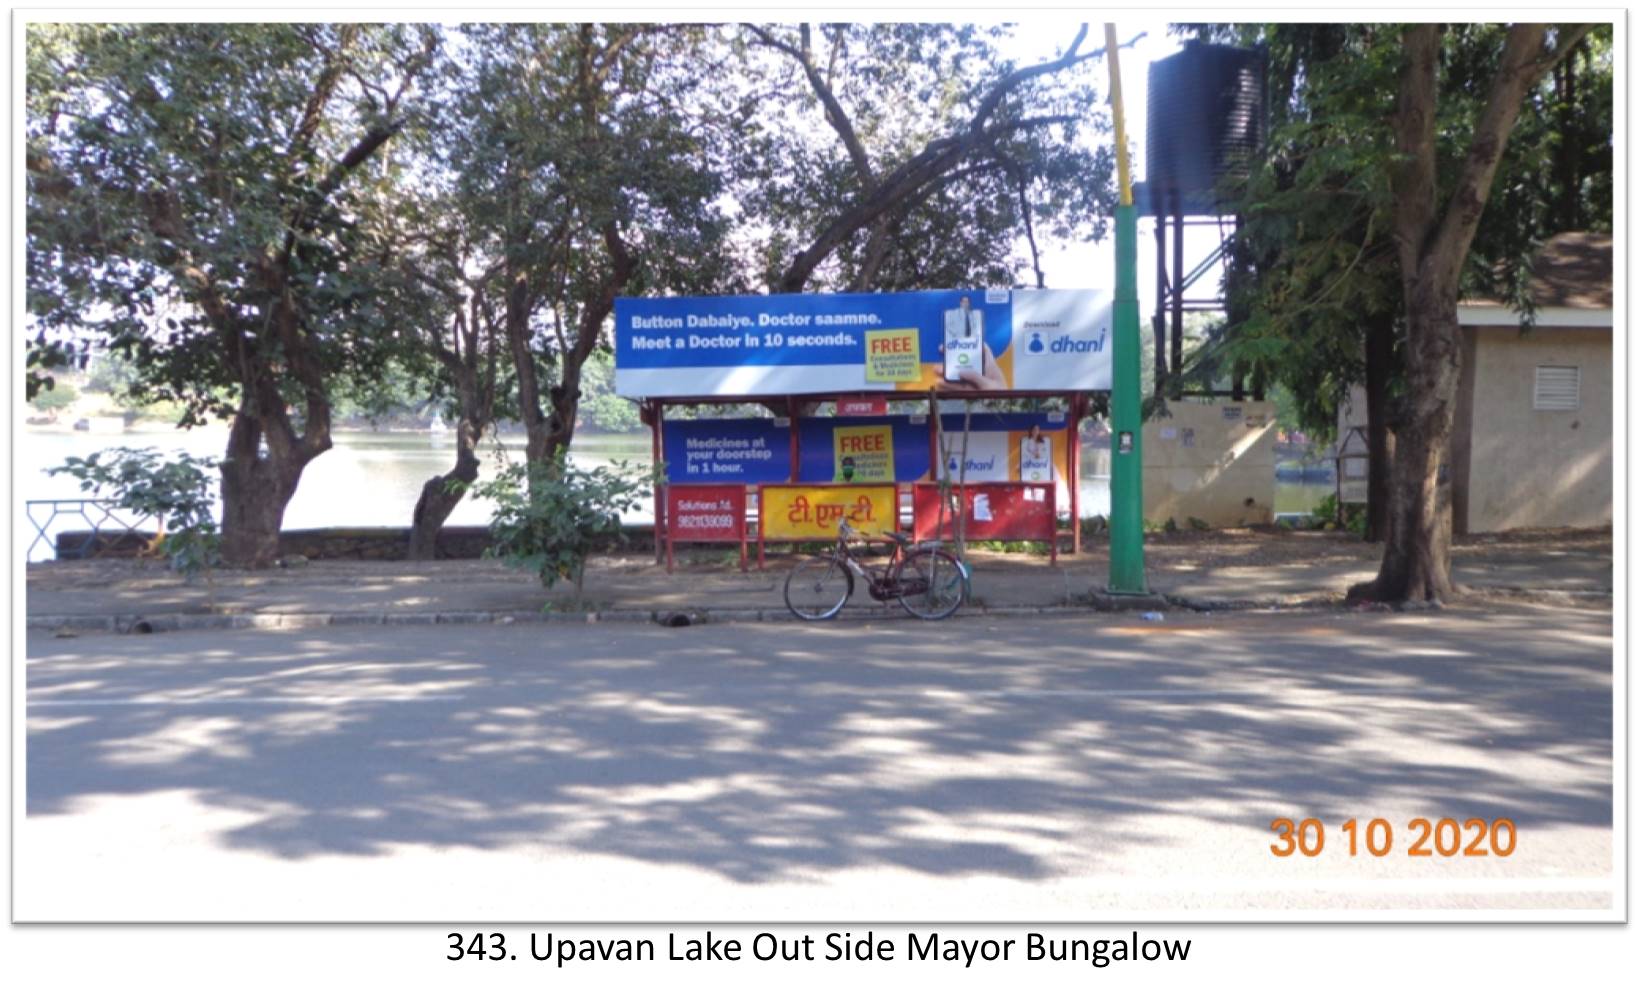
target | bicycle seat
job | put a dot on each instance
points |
(897, 537)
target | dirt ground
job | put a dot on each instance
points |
(1183, 551)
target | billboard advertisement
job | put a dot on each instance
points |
(1032, 447)
(955, 340)
(865, 450)
(815, 512)
(1001, 446)
(727, 450)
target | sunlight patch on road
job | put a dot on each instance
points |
(239, 700)
(179, 740)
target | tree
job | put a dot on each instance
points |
(935, 155)
(588, 155)
(1315, 266)
(1433, 230)
(461, 332)
(1310, 277)
(191, 202)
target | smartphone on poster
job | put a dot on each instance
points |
(963, 340)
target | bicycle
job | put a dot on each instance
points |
(928, 582)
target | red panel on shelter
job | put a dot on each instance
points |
(861, 406)
(996, 510)
(705, 513)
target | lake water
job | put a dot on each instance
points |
(369, 478)
(374, 478)
(365, 479)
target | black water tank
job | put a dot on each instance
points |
(1207, 117)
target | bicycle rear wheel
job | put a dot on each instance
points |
(932, 584)
(817, 588)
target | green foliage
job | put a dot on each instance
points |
(193, 201)
(599, 405)
(1011, 546)
(397, 385)
(583, 162)
(45, 357)
(1033, 162)
(1351, 518)
(550, 517)
(112, 374)
(55, 398)
(1314, 265)
(178, 492)
(1557, 172)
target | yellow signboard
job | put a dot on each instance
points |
(809, 512)
(892, 356)
(864, 453)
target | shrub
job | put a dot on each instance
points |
(550, 516)
(178, 492)
(55, 398)
(1351, 519)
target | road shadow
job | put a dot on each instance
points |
(784, 753)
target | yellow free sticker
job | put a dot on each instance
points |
(864, 453)
(892, 355)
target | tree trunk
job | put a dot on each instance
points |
(437, 499)
(1416, 563)
(1432, 246)
(255, 490)
(1378, 438)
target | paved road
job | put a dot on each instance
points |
(1048, 768)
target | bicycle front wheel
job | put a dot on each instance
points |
(817, 588)
(932, 584)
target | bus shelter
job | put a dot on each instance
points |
(907, 375)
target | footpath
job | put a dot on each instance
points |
(1221, 570)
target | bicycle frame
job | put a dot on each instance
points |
(919, 589)
(876, 579)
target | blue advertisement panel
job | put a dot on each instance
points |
(954, 340)
(1005, 421)
(865, 450)
(1010, 446)
(726, 450)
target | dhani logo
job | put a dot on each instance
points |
(1070, 344)
(972, 465)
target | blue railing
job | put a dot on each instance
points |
(101, 518)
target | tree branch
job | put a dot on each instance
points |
(937, 157)
(1525, 60)
(1019, 77)
(312, 114)
(1029, 227)
(834, 113)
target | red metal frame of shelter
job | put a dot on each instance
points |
(790, 406)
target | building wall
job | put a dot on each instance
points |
(1213, 462)
(1528, 468)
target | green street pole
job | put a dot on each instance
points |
(1126, 573)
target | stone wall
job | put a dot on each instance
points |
(454, 543)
